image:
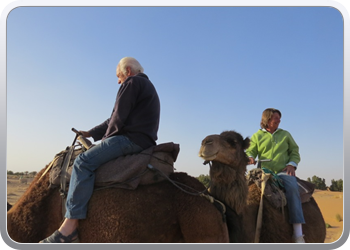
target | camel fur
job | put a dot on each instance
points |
(229, 184)
(156, 213)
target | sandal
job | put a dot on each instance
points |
(57, 237)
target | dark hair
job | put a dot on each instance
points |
(266, 116)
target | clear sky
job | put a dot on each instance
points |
(215, 69)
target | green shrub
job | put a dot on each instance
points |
(338, 217)
(205, 179)
(337, 185)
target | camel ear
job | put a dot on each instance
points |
(246, 143)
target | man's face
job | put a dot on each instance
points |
(121, 76)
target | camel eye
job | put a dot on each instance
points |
(207, 142)
(231, 142)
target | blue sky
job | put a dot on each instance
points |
(215, 69)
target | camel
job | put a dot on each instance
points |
(162, 213)
(229, 184)
(155, 213)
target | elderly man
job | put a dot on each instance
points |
(132, 127)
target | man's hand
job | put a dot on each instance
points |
(85, 134)
(290, 170)
(251, 161)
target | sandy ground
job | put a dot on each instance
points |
(330, 203)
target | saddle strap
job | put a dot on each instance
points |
(264, 178)
(63, 181)
(48, 168)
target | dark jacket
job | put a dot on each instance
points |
(136, 113)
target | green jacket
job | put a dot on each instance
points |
(280, 147)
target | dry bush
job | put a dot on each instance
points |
(338, 217)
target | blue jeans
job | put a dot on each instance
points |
(293, 198)
(83, 173)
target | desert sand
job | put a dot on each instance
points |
(330, 203)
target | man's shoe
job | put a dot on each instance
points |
(57, 237)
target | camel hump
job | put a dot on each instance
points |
(187, 180)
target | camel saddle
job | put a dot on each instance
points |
(274, 191)
(127, 171)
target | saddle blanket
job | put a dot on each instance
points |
(274, 194)
(126, 171)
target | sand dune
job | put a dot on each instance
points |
(331, 205)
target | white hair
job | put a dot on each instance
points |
(131, 62)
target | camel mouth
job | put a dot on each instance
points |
(208, 157)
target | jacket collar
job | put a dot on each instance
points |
(264, 130)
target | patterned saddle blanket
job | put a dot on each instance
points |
(274, 190)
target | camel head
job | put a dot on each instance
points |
(226, 148)
(229, 164)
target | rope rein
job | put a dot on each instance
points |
(210, 198)
(175, 183)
